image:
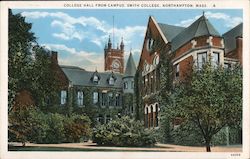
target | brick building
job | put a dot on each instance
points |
(188, 47)
(101, 95)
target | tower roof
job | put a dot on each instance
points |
(201, 27)
(130, 67)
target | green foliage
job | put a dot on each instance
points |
(29, 65)
(76, 127)
(123, 132)
(211, 99)
(20, 41)
(31, 124)
(187, 134)
(55, 133)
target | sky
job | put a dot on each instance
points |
(79, 35)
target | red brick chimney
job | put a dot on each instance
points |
(54, 57)
(239, 48)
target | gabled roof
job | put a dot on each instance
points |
(82, 77)
(130, 67)
(230, 37)
(170, 31)
(201, 27)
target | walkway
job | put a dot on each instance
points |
(158, 147)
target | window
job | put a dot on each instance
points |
(110, 96)
(132, 84)
(201, 59)
(156, 116)
(156, 60)
(95, 79)
(151, 117)
(177, 71)
(95, 97)
(79, 98)
(150, 43)
(125, 85)
(63, 97)
(216, 59)
(111, 81)
(152, 82)
(104, 96)
(227, 65)
(146, 118)
(117, 100)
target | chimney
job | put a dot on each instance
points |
(54, 57)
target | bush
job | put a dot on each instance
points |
(77, 127)
(55, 132)
(31, 124)
(27, 124)
(123, 132)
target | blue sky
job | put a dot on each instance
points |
(79, 35)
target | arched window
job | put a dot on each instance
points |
(156, 60)
(156, 115)
(151, 117)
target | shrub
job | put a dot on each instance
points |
(55, 132)
(123, 132)
(31, 124)
(77, 127)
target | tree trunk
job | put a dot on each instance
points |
(23, 144)
(208, 148)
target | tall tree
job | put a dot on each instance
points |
(19, 63)
(211, 99)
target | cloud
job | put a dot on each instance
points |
(97, 31)
(70, 56)
(228, 21)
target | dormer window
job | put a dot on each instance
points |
(111, 81)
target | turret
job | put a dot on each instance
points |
(109, 43)
(128, 78)
(122, 45)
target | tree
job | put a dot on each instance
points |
(19, 63)
(211, 98)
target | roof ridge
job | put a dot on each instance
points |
(235, 27)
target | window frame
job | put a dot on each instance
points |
(80, 98)
(95, 97)
(63, 98)
(200, 64)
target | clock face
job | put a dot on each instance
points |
(115, 65)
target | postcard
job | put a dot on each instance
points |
(124, 79)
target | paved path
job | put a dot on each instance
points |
(159, 147)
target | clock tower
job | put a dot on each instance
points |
(114, 57)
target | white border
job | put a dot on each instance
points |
(222, 4)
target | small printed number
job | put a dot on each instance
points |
(235, 155)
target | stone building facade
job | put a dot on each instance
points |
(187, 48)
